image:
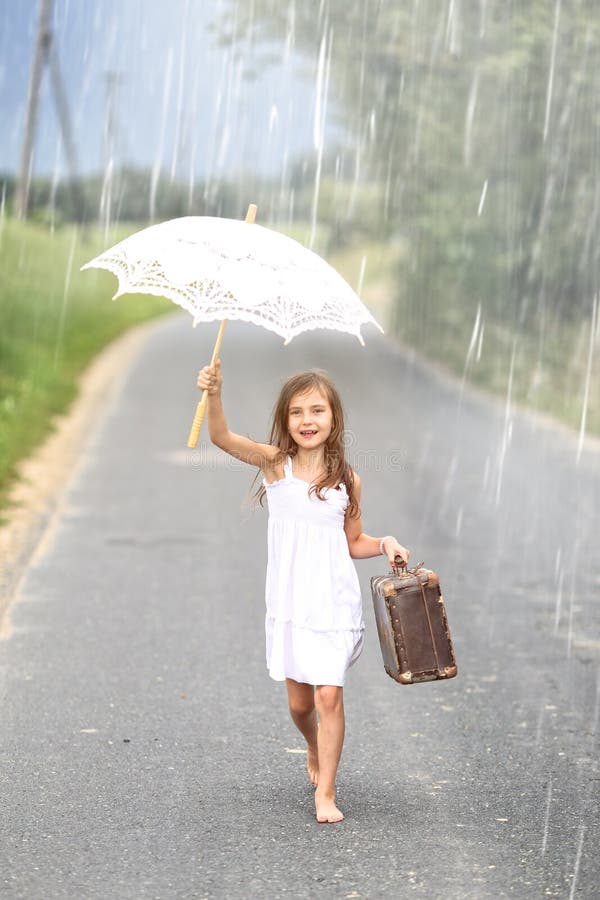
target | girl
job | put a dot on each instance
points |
(314, 626)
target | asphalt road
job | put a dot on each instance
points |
(145, 753)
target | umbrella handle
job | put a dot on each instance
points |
(201, 408)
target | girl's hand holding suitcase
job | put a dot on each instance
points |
(391, 548)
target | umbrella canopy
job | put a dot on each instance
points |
(226, 269)
(220, 268)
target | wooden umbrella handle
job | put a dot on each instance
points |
(201, 408)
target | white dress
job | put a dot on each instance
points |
(314, 625)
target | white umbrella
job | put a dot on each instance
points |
(221, 269)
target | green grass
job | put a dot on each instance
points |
(53, 320)
(550, 359)
(549, 370)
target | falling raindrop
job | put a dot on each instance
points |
(179, 115)
(558, 601)
(552, 67)
(582, 830)
(321, 96)
(547, 815)
(469, 119)
(482, 197)
(272, 118)
(163, 127)
(361, 274)
(596, 716)
(65, 297)
(507, 430)
(592, 342)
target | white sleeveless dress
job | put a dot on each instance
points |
(314, 625)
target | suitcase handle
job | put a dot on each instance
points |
(399, 565)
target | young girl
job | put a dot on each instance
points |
(314, 625)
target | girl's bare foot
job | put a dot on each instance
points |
(326, 809)
(312, 764)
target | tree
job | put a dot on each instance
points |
(479, 121)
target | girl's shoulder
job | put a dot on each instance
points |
(274, 468)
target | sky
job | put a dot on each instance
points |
(181, 103)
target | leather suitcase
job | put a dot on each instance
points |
(412, 625)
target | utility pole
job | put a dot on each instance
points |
(45, 54)
(41, 44)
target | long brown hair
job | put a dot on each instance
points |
(337, 469)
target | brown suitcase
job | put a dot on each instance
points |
(412, 625)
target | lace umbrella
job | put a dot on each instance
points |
(221, 269)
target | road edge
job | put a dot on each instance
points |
(43, 477)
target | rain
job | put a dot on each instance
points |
(445, 158)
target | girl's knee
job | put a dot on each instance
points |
(329, 698)
(301, 699)
(300, 706)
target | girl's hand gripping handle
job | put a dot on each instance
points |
(210, 378)
(201, 408)
(397, 554)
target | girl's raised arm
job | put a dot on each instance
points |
(255, 454)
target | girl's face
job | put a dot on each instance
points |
(310, 419)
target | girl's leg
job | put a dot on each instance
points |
(301, 699)
(329, 701)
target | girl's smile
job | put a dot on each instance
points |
(310, 418)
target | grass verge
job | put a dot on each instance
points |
(53, 320)
(549, 367)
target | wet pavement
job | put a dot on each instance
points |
(145, 752)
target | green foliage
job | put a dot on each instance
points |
(480, 126)
(53, 320)
(135, 195)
